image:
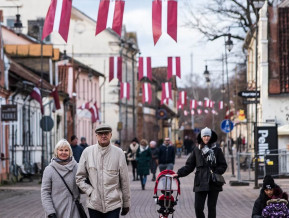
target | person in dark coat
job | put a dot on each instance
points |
(269, 191)
(166, 156)
(154, 159)
(143, 157)
(205, 157)
(76, 149)
(83, 143)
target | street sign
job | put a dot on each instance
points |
(9, 112)
(161, 114)
(250, 102)
(249, 94)
(46, 123)
(227, 126)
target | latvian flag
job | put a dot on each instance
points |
(58, 18)
(221, 105)
(164, 18)
(200, 103)
(55, 96)
(110, 14)
(124, 91)
(193, 104)
(207, 102)
(174, 67)
(94, 113)
(206, 111)
(199, 111)
(147, 93)
(212, 104)
(144, 68)
(84, 106)
(115, 68)
(166, 91)
(183, 98)
(186, 113)
(36, 94)
(192, 112)
(179, 105)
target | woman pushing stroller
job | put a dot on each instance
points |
(208, 160)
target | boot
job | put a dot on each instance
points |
(154, 177)
(143, 186)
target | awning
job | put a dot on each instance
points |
(283, 130)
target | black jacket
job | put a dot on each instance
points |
(166, 154)
(202, 176)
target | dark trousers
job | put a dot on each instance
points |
(110, 214)
(200, 199)
(134, 169)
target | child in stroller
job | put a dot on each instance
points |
(166, 184)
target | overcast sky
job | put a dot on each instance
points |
(137, 18)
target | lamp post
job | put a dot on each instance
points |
(229, 46)
(208, 81)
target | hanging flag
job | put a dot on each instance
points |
(84, 106)
(110, 15)
(193, 104)
(221, 105)
(36, 94)
(94, 113)
(174, 67)
(206, 111)
(212, 104)
(166, 91)
(199, 111)
(124, 90)
(115, 68)
(164, 18)
(147, 93)
(180, 105)
(54, 94)
(144, 68)
(186, 113)
(214, 112)
(58, 18)
(207, 102)
(165, 101)
(183, 98)
(192, 112)
(200, 103)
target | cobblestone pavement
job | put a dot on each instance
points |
(23, 199)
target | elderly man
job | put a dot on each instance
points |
(104, 165)
(166, 156)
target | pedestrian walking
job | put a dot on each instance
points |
(154, 159)
(83, 143)
(131, 156)
(56, 198)
(270, 191)
(143, 157)
(76, 149)
(166, 156)
(105, 166)
(117, 143)
(207, 159)
(179, 146)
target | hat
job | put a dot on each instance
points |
(268, 182)
(103, 128)
(206, 132)
(135, 140)
(82, 138)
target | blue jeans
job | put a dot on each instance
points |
(169, 166)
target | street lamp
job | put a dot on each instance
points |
(206, 73)
(229, 43)
(18, 25)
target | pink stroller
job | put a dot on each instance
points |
(166, 184)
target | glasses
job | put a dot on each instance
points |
(103, 133)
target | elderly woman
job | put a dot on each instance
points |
(56, 199)
(206, 158)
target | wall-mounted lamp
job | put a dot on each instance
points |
(18, 25)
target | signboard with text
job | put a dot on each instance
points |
(249, 94)
(9, 112)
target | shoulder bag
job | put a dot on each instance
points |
(217, 179)
(77, 203)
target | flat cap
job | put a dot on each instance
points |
(103, 128)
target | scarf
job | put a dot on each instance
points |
(62, 162)
(209, 155)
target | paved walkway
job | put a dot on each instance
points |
(23, 199)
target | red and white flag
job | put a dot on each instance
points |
(124, 90)
(84, 106)
(221, 105)
(58, 18)
(144, 68)
(193, 112)
(94, 113)
(183, 98)
(174, 67)
(200, 103)
(186, 113)
(36, 94)
(115, 68)
(166, 91)
(199, 111)
(165, 101)
(164, 18)
(147, 93)
(214, 112)
(110, 15)
(180, 105)
(54, 94)
(193, 104)
(206, 111)
(212, 104)
(207, 102)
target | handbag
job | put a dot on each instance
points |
(217, 179)
(79, 206)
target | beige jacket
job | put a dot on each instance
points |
(107, 171)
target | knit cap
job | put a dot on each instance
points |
(268, 182)
(206, 132)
